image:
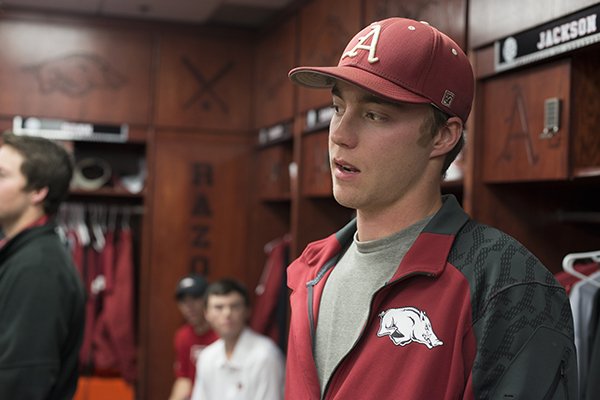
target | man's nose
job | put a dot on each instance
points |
(342, 130)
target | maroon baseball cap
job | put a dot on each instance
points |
(401, 60)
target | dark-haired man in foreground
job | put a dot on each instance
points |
(41, 294)
(413, 299)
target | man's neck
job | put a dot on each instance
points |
(31, 217)
(377, 224)
(201, 329)
(230, 343)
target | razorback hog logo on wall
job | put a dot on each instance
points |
(407, 324)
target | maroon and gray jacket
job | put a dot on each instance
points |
(469, 314)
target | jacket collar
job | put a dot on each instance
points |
(43, 220)
(24, 237)
(427, 255)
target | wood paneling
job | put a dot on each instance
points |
(483, 62)
(492, 19)
(205, 82)
(531, 212)
(314, 168)
(273, 172)
(514, 108)
(76, 72)
(449, 16)
(273, 91)
(326, 27)
(585, 141)
(199, 221)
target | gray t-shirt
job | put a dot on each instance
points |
(362, 270)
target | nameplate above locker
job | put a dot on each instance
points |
(560, 36)
(68, 130)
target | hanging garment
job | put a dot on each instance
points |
(104, 354)
(567, 280)
(592, 389)
(581, 299)
(114, 344)
(77, 251)
(120, 305)
(270, 311)
(92, 281)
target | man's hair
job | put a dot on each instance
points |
(45, 164)
(225, 286)
(437, 120)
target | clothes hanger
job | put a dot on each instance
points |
(61, 223)
(81, 229)
(112, 218)
(125, 215)
(569, 261)
(96, 226)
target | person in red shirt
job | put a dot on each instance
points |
(193, 336)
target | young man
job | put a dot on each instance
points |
(413, 299)
(192, 337)
(242, 364)
(41, 295)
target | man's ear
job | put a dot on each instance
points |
(39, 195)
(447, 137)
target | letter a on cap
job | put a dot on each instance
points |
(375, 29)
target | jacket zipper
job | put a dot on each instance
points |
(311, 317)
(310, 290)
(388, 284)
(560, 376)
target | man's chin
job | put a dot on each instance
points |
(344, 199)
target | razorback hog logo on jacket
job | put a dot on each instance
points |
(407, 324)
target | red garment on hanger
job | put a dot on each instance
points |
(92, 307)
(105, 359)
(114, 339)
(269, 290)
(567, 280)
(121, 307)
(77, 251)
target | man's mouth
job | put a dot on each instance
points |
(345, 167)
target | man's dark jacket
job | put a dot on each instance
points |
(41, 317)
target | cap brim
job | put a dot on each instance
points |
(180, 294)
(325, 77)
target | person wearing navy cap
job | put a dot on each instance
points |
(192, 337)
(413, 299)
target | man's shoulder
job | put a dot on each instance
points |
(213, 351)
(494, 262)
(184, 332)
(262, 345)
(477, 242)
(259, 338)
(44, 239)
(37, 255)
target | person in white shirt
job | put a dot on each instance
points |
(241, 365)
